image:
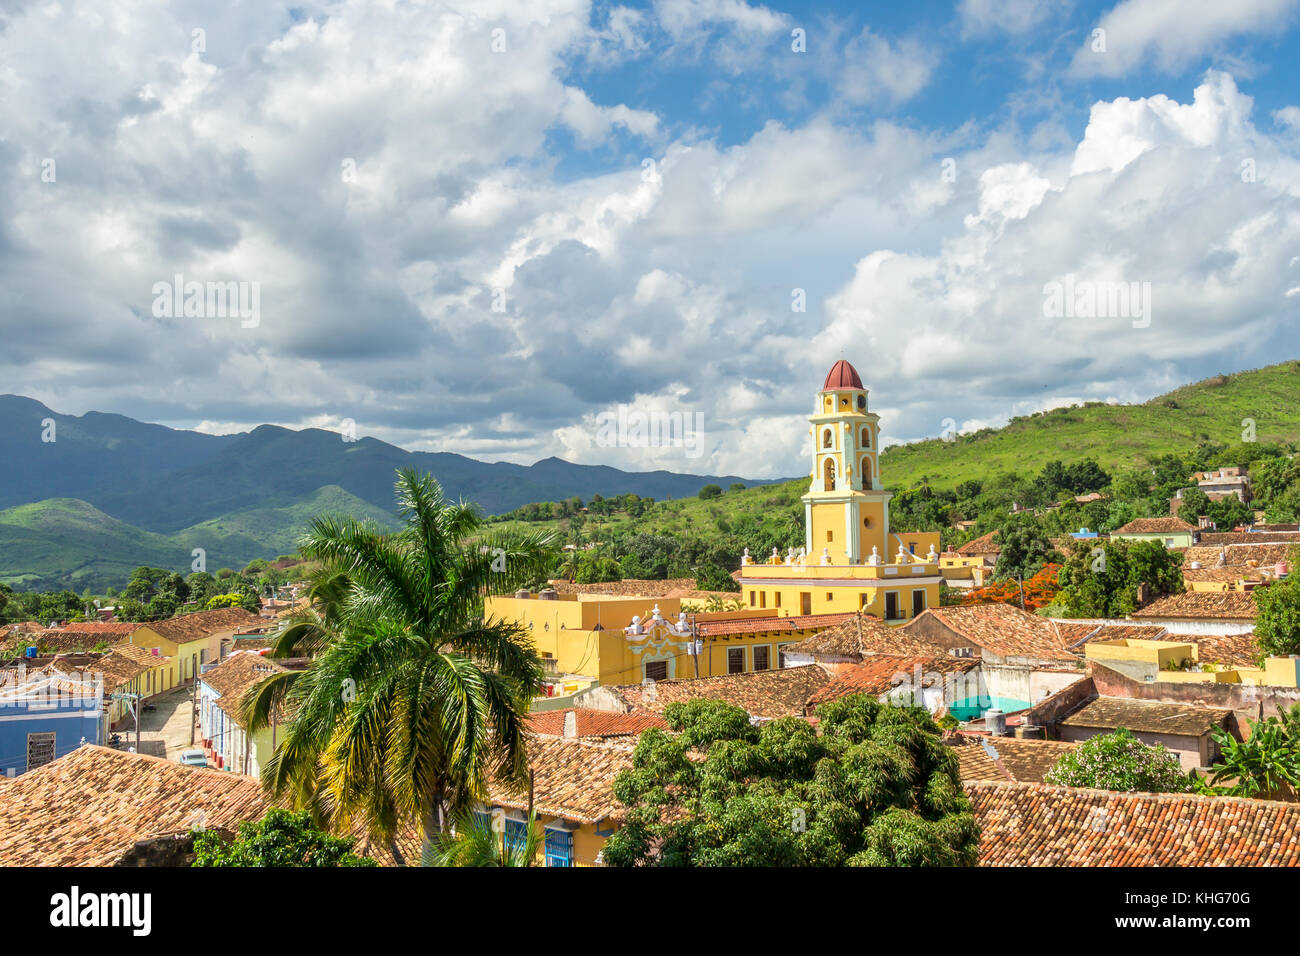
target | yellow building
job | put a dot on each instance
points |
(611, 639)
(850, 559)
(192, 640)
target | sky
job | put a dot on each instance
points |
(485, 227)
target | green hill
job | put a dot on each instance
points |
(1118, 437)
(65, 542)
(276, 530)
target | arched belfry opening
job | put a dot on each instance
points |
(829, 473)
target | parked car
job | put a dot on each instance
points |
(193, 758)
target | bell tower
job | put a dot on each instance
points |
(846, 510)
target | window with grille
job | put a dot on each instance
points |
(656, 670)
(736, 660)
(559, 848)
(762, 657)
(40, 749)
(516, 834)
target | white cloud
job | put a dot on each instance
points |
(460, 294)
(1015, 17)
(1168, 36)
(876, 70)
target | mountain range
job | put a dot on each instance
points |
(109, 493)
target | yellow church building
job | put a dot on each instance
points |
(850, 561)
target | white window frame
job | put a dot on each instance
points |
(754, 660)
(744, 668)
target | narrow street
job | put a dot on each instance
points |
(165, 730)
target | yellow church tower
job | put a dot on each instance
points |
(846, 510)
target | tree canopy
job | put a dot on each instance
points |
(877, 787)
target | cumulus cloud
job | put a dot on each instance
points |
(1167, 36)
(462, 245)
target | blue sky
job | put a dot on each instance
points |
(476, 227)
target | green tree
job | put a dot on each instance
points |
(593, 568)
(1104, 580)
(713, 577)
(281, 838)
(1196, 504)
(412, 698)
(1025, 548)
(877, 787)
(1265, 765)
(1277, 624)
(710, 491)
(474, 842)
(1119, 761)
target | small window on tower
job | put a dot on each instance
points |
(827, 439)
(866, 438)
(862, 402)
(830, 535)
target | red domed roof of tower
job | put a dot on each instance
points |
(842, 375)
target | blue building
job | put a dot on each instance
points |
(44, 715)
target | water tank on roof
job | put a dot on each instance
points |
(995, 722)
(31, 651)
(548, 594)
(522, 593)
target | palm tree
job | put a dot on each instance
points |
(412, 699)
(474, 842)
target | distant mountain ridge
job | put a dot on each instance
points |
(113, 491)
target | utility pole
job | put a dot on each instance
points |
(1021, 578)
(194, 709)
(696, 647)
(138, 705)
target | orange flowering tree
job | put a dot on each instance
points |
(1039, 590)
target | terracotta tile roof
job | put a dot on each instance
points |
(763, 694)
(90, 807)
(1147, 716)
(594, 723)
(1004, 629)
(238, 674)
(984, 544)
(862, 635)
(1264, 554)
(1074, 633)
(120, 669)
(881, 673)
(1155, 526)
(755, 625)
(1235, 650)
(1227, 605)
(81, 636)
(1205, 557)
(1018, 760)
(201, 624)
(573, 779)
(1224, 575)
(1030, 824)
(1250, 537)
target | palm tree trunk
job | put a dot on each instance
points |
(435, 825)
